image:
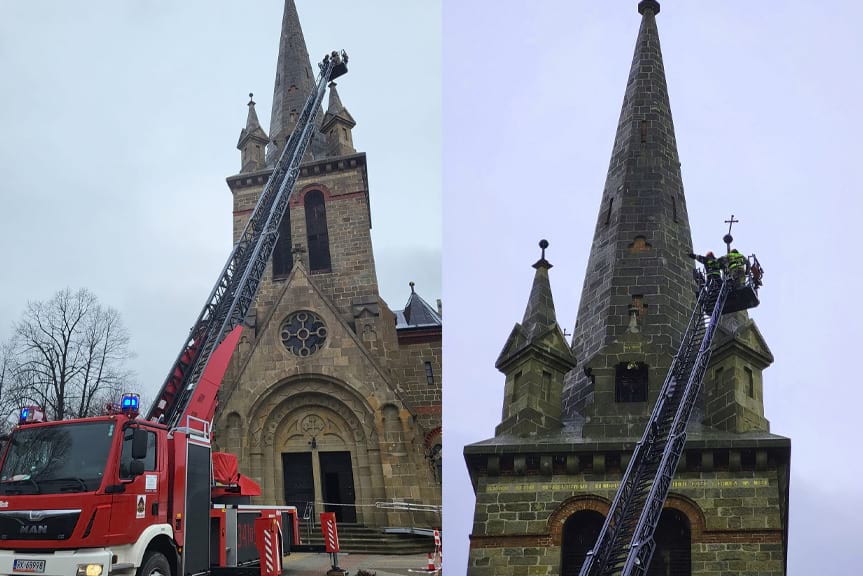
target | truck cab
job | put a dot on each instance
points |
(81, 494)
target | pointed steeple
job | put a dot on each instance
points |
(252, 142)
(418, 312)
(638, 287)
(337, 126)
(295, 79)
(539, 315)
(335, 106)
(534, 359)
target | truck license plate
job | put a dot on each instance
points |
(29, 566)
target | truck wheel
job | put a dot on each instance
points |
(155, 564)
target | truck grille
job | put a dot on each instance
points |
(38, 524)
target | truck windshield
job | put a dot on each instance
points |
(55, 459)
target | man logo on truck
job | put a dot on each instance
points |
(35, 529)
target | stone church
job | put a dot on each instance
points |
(331, 396)
(572, 412)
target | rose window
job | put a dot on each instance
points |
(303, 333)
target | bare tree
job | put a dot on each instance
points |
(8, 401)
(67, 355)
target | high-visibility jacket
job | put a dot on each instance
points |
(713, 267)
(736, 260)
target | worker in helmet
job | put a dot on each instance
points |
(712, 265)
(738, 266)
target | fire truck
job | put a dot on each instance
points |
(129, 494)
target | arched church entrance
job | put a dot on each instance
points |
(319, 451)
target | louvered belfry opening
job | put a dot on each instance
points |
(283, 256)
(673, 554)
(630, 382)
(579, 535)
(316, 229)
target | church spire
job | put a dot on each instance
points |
(638, 288)
(534, 359)
(295, 79)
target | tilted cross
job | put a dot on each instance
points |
(731, 223)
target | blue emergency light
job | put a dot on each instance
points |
(30, 414)
(129, 404)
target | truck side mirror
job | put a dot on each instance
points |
(136, 468)
(139, 444)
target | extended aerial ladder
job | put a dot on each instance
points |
(625, 544)
(189, 392)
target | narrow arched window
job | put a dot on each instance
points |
(283, 257)
(316, 228)
(673, 538)
(579, 535)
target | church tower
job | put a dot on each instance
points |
(545, 482)
(332, 399)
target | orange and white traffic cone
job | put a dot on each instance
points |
(430, 567)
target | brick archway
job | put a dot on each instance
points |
(300, 195)
(678, 502)
(691, 510)
(570, 507)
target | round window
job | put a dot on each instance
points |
(303, 333)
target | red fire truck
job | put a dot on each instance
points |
(123, 494)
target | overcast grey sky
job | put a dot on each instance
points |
(766, 104)
(119, 122)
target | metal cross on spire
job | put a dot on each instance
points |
(728, 238)
(731, 223)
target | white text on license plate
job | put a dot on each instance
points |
(29, 566)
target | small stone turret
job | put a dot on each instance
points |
(733, 386)
(534, 359)
(337, 126)
(253, 142)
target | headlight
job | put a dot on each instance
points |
(89, 570)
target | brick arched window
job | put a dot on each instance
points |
(579, 535)
(673, 538)
(316, 229)
(283, 257)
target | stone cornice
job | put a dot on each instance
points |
(307, 170)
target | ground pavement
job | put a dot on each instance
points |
(317, 564)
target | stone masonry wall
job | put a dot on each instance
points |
(343, 182)
(425, 399)
(734, 517)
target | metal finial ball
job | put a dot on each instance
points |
(543, 244)
(728, 239)
(411, 284)
(651, 5)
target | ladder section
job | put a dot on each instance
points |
(238, 283)
(625, 543)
